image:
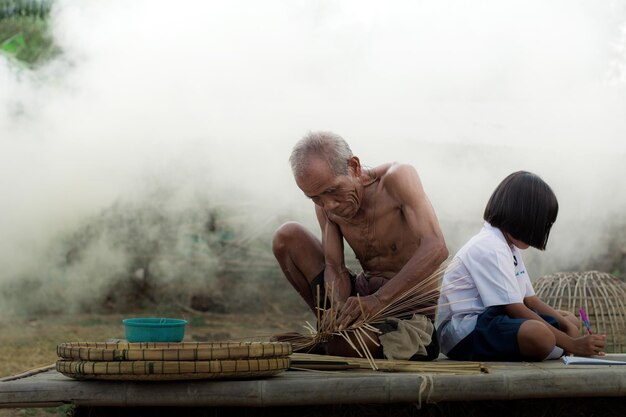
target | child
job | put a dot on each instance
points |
(488, 310)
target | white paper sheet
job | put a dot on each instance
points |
(577, 360)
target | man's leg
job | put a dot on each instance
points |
(299, 254)
(338, 346)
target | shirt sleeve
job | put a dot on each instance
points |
(493, 274)
(529, 290)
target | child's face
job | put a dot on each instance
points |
(518, 243)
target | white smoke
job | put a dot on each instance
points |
(208, 97)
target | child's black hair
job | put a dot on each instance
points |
(525, 207)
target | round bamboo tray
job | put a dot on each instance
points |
(601, 295)
(186, 351)
(173, 370)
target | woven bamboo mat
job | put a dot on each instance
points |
(173, 370)
(186, 351)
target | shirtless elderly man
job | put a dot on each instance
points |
(386, 218)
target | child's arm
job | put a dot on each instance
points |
(582, 346)
(535, 303)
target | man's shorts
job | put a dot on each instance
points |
(494, 338)
(412, 337)
(319, 281)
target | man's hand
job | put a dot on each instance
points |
(357, 309)
(588, 345)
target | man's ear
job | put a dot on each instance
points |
(354, 166)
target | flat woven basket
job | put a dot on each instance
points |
(601, 295)
(173, 370)
(172, 361)
(186, 351)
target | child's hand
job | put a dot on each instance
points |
(589, 345)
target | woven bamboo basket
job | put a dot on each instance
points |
(173, 370)
(186, 351)
(172, 361)
(601, 295)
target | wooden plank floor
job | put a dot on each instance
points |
(505, 381)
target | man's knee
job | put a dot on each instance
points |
(285, 235)
(535, 340)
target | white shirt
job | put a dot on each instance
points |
(486, 272)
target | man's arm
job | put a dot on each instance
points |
(336, 275)
(403, 184)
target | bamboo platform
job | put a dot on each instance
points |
(503, 381)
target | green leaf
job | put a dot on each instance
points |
(14, 44)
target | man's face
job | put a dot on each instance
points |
(338, 195)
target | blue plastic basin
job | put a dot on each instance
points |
(154, 329)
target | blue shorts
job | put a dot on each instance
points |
(494, 338)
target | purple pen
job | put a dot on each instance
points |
(585, 319)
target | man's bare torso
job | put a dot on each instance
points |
(378, 234)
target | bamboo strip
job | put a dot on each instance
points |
(421, 298)
(28, 373)
(305, 360)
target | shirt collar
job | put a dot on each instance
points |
(494, 230)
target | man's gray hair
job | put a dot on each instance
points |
(326, 145)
